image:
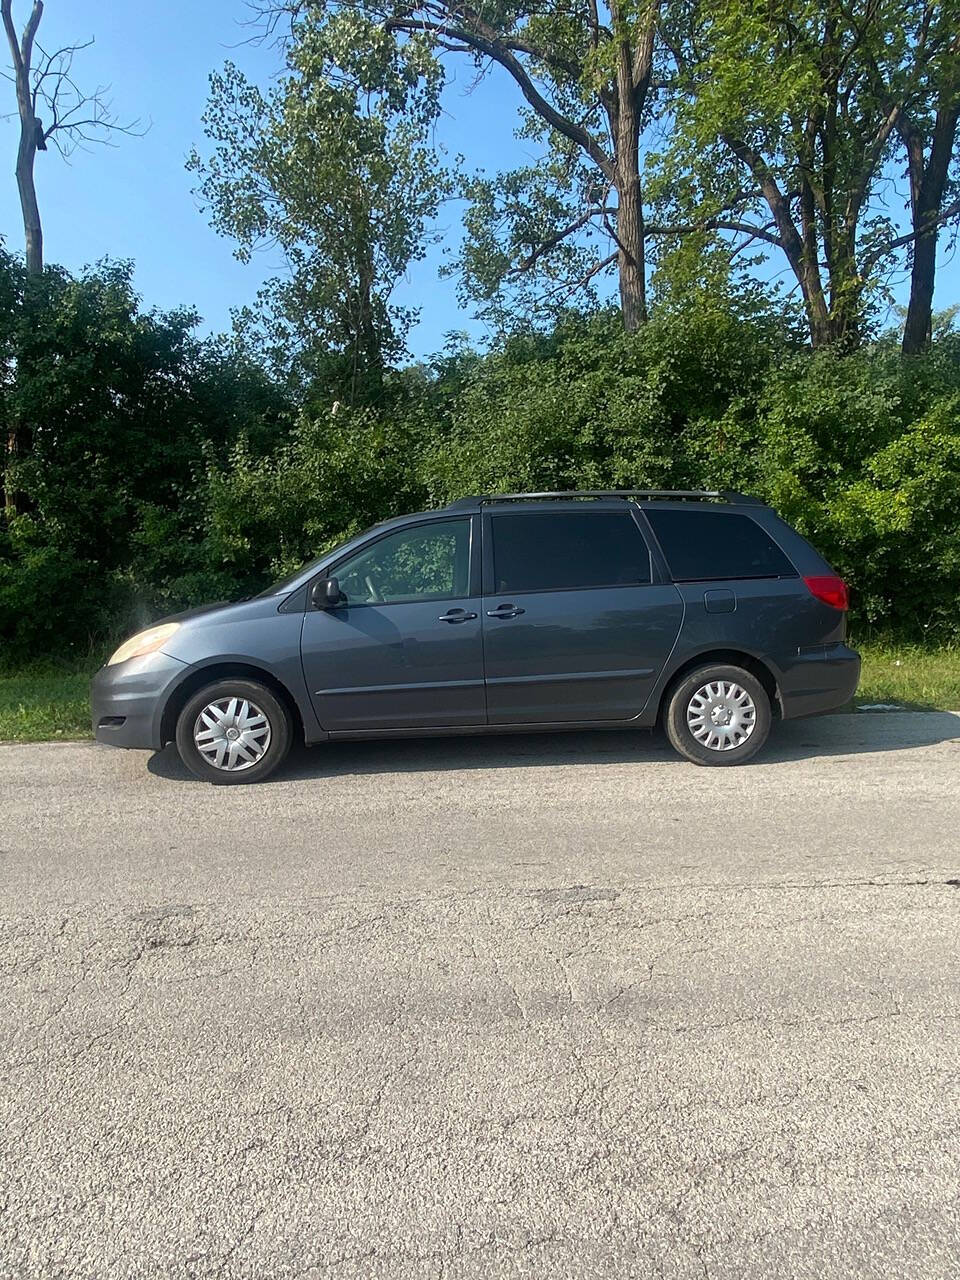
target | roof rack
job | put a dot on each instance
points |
(630, 495)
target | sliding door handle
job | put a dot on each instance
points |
(505, 611)
(457, 615)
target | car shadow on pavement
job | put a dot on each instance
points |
(833, 735)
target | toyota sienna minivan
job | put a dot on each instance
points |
(701, 611)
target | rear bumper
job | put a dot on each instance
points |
(127, 700)
(818, 681)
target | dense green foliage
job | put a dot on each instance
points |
(162, 471)
(787, 120)
(860, 452)
(120, 412)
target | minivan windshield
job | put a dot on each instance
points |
(283, 585)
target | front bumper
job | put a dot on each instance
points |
(127, 700)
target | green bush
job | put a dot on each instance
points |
(334, 475)
(860, 452)
(119, 414)
(163, 470)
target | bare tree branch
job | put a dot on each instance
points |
(75, 117)
(490, 47)
(716, 224)
(568, 290)
(552, 241)
(871, 259)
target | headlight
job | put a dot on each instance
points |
(144, 642)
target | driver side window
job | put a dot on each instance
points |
(426, 562)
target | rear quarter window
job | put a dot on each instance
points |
(702, 545)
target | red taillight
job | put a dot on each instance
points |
(830, 590)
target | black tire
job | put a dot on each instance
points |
(681, 734)
(260, 697)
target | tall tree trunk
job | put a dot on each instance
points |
(10, 456)
(366, 340)
(31, 133)
(918, 329)
(633, 78)
(846, 289)
(33, 235)
(21, 52)
(631, 264)
(839, 228)
(806, 268)
(803, 257)
(928, 184)
(32, 229)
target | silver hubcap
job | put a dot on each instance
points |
(231, 733)
(721, 715)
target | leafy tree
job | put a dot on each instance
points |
(785, 117)
(586, 76)
(334, 166)
(127, 409)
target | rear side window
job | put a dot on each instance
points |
(717, 544)
(568, 549)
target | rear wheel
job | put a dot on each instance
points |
(233, 731)
(718, 715)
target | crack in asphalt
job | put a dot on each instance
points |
(580, 978)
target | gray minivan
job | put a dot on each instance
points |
(703, 611)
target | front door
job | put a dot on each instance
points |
(404, 649)
(574, 629)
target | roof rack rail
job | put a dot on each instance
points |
(642, 495)
(469, 503)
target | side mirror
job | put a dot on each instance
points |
(327, 594)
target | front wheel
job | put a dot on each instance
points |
(233, 731)
(718, 715)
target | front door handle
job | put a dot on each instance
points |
(457, 615)
(505, 611)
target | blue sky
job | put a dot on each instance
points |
(135, 201)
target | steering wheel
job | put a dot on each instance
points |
(375, 595)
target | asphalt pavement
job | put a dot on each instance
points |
(520, 1006)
